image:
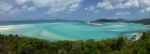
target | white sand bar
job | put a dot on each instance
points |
(6, 27)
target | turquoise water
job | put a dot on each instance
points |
(74, 30)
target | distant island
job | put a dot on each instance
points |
(104, 20)
(35, 21)
(143, 21)
(109, 20)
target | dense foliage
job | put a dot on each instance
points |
(104, 20)
(14, 44)
(143, 21)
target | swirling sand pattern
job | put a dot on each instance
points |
(74, 30)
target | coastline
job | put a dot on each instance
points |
(3, 28)
(148, 25)
(9, 27)
(93, 23)
(138, 36)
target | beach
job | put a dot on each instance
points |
(6, 27)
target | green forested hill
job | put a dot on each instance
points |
(13, 44)
(143, 21)
(104, 20)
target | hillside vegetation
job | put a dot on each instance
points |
(143, 21)
(104, 20)
(14, 44)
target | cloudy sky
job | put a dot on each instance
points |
(73, 9)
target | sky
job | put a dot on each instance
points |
(73, 9)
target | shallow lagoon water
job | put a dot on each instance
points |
(74, 30)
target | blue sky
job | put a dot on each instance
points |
(73, 9)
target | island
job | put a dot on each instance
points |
(104, 20)
(109, 20)
(145, 21)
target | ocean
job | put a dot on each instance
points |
(72, 30)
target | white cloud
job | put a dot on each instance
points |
(142, 11)
(121, 4)
(5, 6)
(15, 11)
(32, 8)
(59, 6)
(144, 3)
(145, 10)
(109, 7)
(115, 1)
(148, 9)
(24, 7)
(106, 5)
(74, 7)
(129, 4)
(55, 10)
(123, 13)
(56, 6)
(45, 3)
(22, 1)
(103, 4)
(96, 11)
(92, 8)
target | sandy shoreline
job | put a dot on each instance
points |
(6, 28)
(138, 36)
(148, 25)
(93, 23)
(9, 27)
